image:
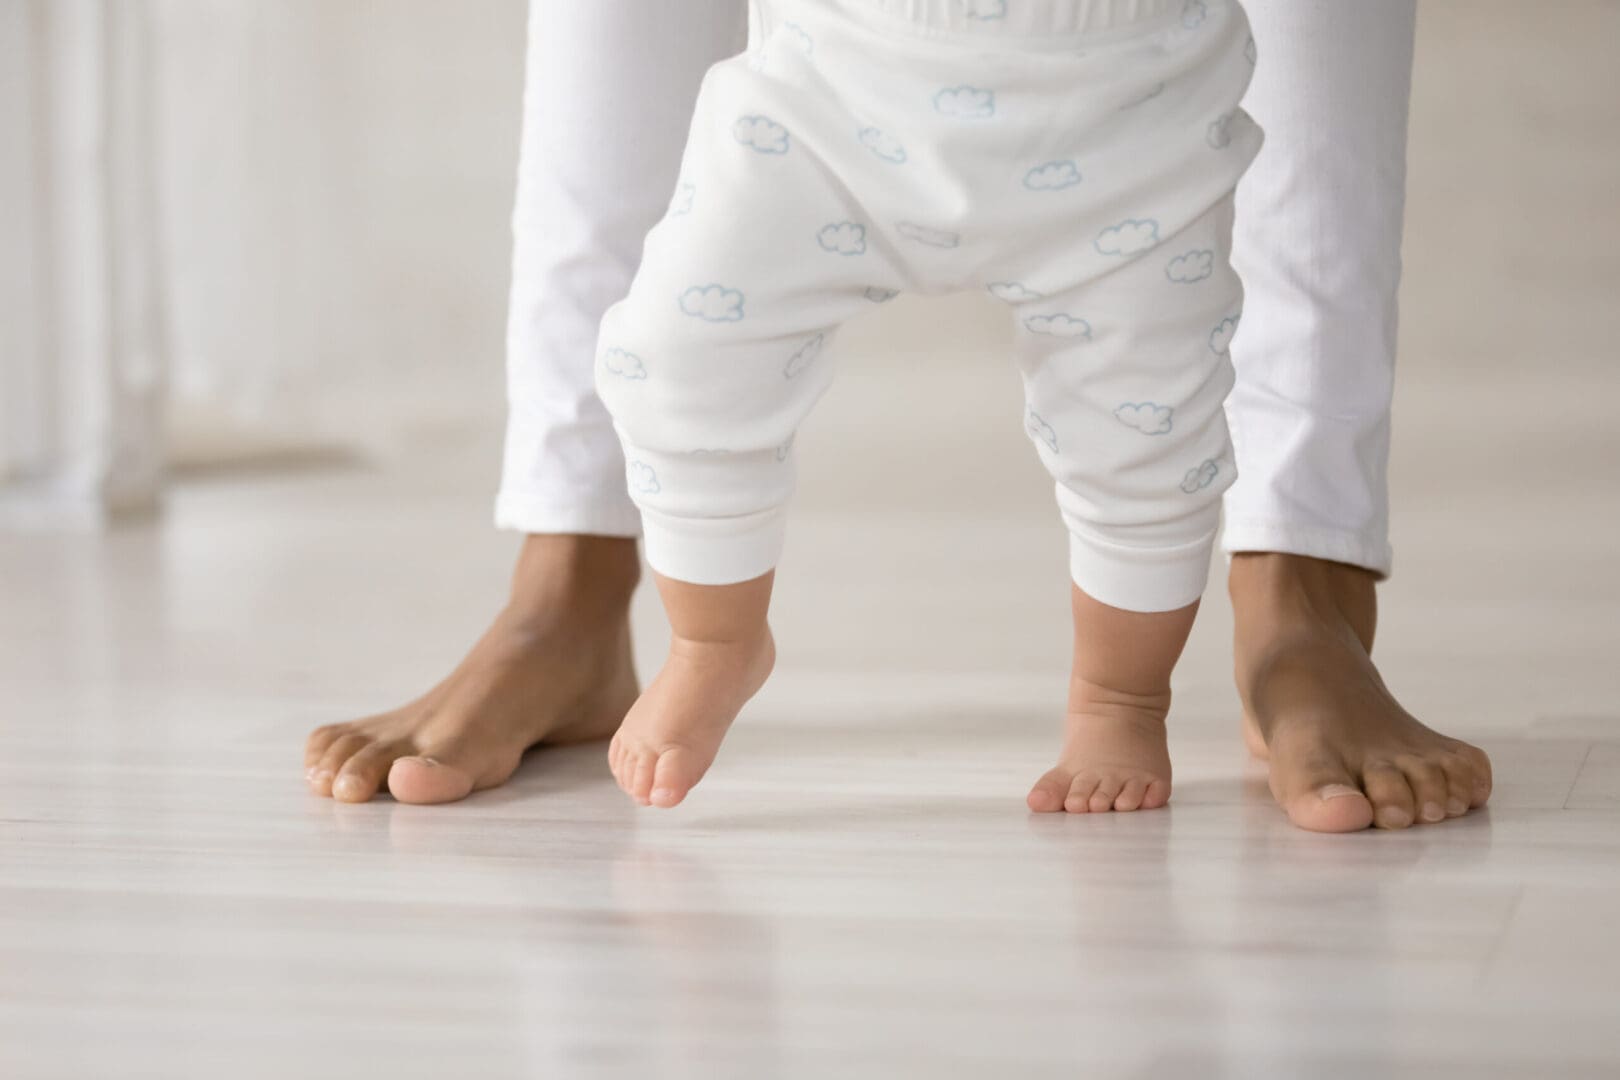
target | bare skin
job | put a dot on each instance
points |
(1115, 755)
(1342, 752)
(720, 654)
(554, 668)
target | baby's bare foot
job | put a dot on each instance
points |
(674, 730)
(720, 654)
(1342, 752)
(554, 667)
(1115, 755)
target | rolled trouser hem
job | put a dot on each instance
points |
(530, 513)
(1270, 534)
(714, 551)
(1140, 579)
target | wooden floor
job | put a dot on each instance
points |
(857, 889)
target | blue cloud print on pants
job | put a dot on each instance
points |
(1053, 176)
(643, 479)
(884, 146)
(1145, 416)
(965, 103)
(927, 234)
(1190, 267)
(1129, 237)
(879, 295)
(1220, 338)
(626, 365)
(1012, 292)
(761, 133)
(1201, 477)
(1040, 430)
(804, 357)
(1058, 325)
(1219, 132)
(843, 238)
(681, 204)
(986, 10)
(800, 37)
(713, 303)
(1193, 13)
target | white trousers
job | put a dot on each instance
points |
(1317, 244)
(1075, 158)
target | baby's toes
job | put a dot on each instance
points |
(1046, 797)
(678, 771)
(1080, 792)
(1132, 794)
(1156, 795)
(639, 766)
(1108, 789)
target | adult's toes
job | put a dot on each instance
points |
(426, 779)
(1320, 795)
(1429, 787)
(1480, 762)
(1046, 797)
(323, 772)
(1131, 795)
(678, 772)
(1460, 784)
(1393, 804)
(1081, 787)
(1107, 791)
(361, 776)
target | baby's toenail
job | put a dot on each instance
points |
(1456, 806)
(1432, 811)
(1337, 791)
(321, 776)
(1392, 817)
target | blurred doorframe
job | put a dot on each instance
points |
(82, 347)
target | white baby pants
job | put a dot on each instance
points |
(1076, 158)
(1317, 243)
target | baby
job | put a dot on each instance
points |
(1075, 158)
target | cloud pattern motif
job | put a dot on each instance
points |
(843, 238)
(1058, 325)
(681, 204)
(1053, 176)
(966, 103)
(803, 357)
(879, 295)
(1220, 338)
(626, 365)
(1199, 478)
(1193, 13)
(1040, 430)
(1130, 237)
(986, 10)
(713, 303)
(927, 234)
(761, 134)
(643, 478)
(1152, 92)
(1146, 417)
(1191, 267)
(1013, 292)
(800, 37)
(1219, 132)
(883, 145)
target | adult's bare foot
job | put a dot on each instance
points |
(555, 667)
(1342, 752)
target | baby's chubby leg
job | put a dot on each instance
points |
(1114, 754)
(720, 653)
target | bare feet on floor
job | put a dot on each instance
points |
(720, 654)
(1115, 755)
(555, 667)
(1342, 752)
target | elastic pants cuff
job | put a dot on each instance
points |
(1140, 579)
(714, 551)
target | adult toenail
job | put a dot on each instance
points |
(321, 776)
(1337, 791)
(1432, 811)
(1456, 806)
(346, 784)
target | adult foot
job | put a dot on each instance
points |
(555, 667)
(1342, 752)
(720, 654)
